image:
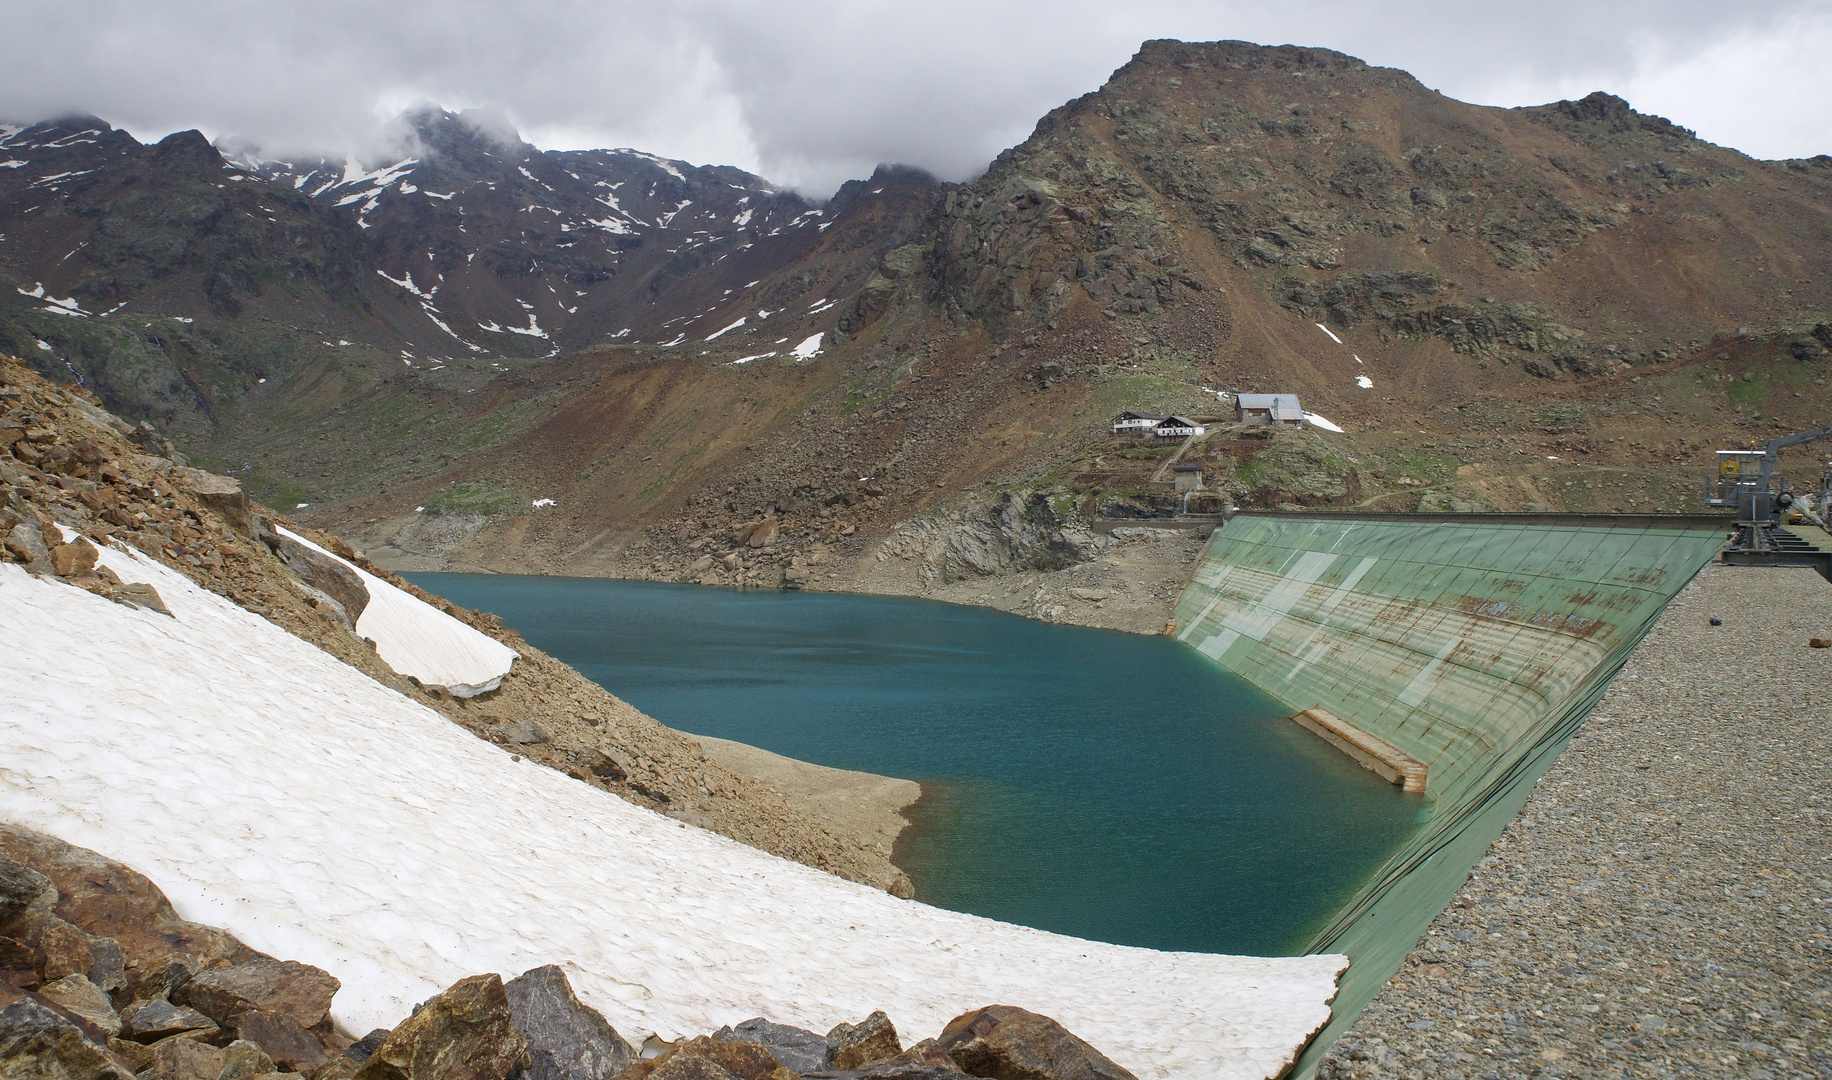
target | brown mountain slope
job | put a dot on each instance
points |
(1558, 307)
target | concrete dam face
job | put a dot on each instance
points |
(1456, 655)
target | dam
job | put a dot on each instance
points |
(1469, 645)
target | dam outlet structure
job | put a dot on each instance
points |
(1453, 654)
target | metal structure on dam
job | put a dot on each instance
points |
(1475, 644)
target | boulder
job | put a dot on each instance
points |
(344, 1065)
(222, 494)
(706, 1059)
(63, 949)
(26, 543)
(567, 1039)
(766, 534)
(38, 1044)
(159, 1019)
(522, 733)
(22, 889)
(131, 917)
(466, 1033)
(321, 572)
(1009, 1043)
(280, 1038)
(857, 1046)
(18, 965)
(800, 1051)
(299, 992)
(242, 1058)
(924, 1061)
(185, 1059)
(108, 967)
(75, 558)
(141, 595)
(82, 997)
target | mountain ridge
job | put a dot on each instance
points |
(1496, 303)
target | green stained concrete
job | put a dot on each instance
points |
(1475, 644)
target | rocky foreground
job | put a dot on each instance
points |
(101, 980)
(64, 461)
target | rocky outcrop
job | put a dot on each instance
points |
(567, 1040)
(799, 1050)
(1016, 530)
(465, 1033)
(103, 977)
(37, 1043)
(1014, 1044)
(858, 1046)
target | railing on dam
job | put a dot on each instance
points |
(1473, 643)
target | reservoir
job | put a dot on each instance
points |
(1087, 782)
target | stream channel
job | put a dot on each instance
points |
(1087, 782)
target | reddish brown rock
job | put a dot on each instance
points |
(281, 1039)
(106, 899)
(75, 558)
(299, 992)
(704, 1059)
(857, 1046)
(1008, 1043)
(186, 1059)
(466, 1033)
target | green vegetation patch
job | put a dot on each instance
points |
(474, 497)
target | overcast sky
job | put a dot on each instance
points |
(813, 92)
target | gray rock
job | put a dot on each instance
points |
(108, 969)
(800, 1051)
(27, 542)
(522, 733)
(38, 1044)
(160, 1018)
(321, 572)
(567, 1039)
(82, 997)
(21, 889)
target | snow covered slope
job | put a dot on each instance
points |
(320, 816)
(415, 638)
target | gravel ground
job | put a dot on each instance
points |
(1660, 906)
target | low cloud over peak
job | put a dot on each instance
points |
(813, 93)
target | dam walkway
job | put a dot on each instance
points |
(1660, 906)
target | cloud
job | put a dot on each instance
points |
(812, 92)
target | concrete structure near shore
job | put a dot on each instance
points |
(1472, 645)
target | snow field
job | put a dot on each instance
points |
(415, 638)
(273, 791)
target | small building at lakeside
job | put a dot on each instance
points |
(1188, 477)
(1136, 423)
(1268, 409)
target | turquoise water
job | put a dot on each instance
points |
(1088, 782)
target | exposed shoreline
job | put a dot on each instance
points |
(862, 805)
